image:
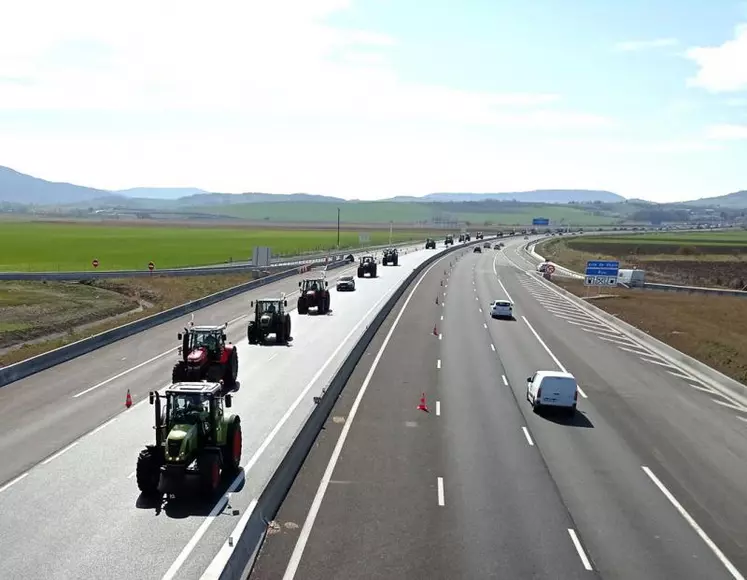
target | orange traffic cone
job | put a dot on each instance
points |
(128, 399)
(423, 406)
(435, 330)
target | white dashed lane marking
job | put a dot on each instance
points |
(570, 313)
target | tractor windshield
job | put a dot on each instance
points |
(313, 285)
(269, 307)
(187, 408)
(207, 339)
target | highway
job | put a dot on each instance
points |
(647, 482)
(68, 447)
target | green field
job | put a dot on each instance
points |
(400, 213)
(706, 242)
(50, 246)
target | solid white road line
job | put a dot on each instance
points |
(492, 346)
(528, 436)
(316, 504)
(542, 342)
(438, 408)
(441, 491)
(14, 481)
(60, 452)
(581, 392)
(689, 519)
(123, 373)
(505, 381)
(218, 565)
(438, 364)
(506, 291)
(218, 508)
(579, 549)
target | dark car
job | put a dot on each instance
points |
(346, 283)
(477, 249)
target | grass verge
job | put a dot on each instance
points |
(36, 317)
(711, 329)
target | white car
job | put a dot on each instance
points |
(501, 309)
(552, 389)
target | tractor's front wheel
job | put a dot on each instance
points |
(209, 468)
(232, 449)
(251, 333)
(179, 373)
(148, 471)
(287, 327)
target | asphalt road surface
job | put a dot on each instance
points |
(647, 482)
(69, 502)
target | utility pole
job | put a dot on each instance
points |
(338, 228)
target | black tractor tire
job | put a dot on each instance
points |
(215, 373)
(209, 469)
(303, 307)
(180, 373)
(396, 261)
(231, 371)
(287, 327)
(373, 272)
(251, 333)
(148, 471)
(232, 449)
(360, 272)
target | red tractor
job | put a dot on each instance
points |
(314, 293)
(205, 356)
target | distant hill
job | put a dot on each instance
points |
(160, 192)
(241, 198)
(536, 196)
(17, 187)
(735, 200)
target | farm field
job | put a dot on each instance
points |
(478, 214)
(717, 338)
(36, 317)
(58, 246)
(717, 259)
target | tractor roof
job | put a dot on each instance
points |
(195, 387)
(266, 300)
(208, 328)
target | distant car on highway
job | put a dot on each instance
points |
(497, 246)
(477, 249)
(552, 389)
(486, 245)
(346, 283)
(502, 309)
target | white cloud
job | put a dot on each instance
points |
(638, 45)
(723, 68)
(727, 132)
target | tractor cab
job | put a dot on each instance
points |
(368, 260)
(313, 285)
(267, 307)
(211, 339)
(190, 404)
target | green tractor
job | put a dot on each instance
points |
(430, 244)
(270, 317)
(195, 438)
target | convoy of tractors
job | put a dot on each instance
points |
(198, 440)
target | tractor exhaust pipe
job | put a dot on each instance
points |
(155, 398)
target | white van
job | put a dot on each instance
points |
(552, 389)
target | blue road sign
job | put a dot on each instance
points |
(601, 273)
(540, 221)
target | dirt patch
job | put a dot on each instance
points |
(711, 329)
(36, 317)
(686, 268)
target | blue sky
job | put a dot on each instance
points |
(374, 98)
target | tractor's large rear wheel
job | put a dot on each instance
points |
(232, 369)
(148, 471)
(232, 449)
(209, 469)
(303, 307)
(287, 327)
